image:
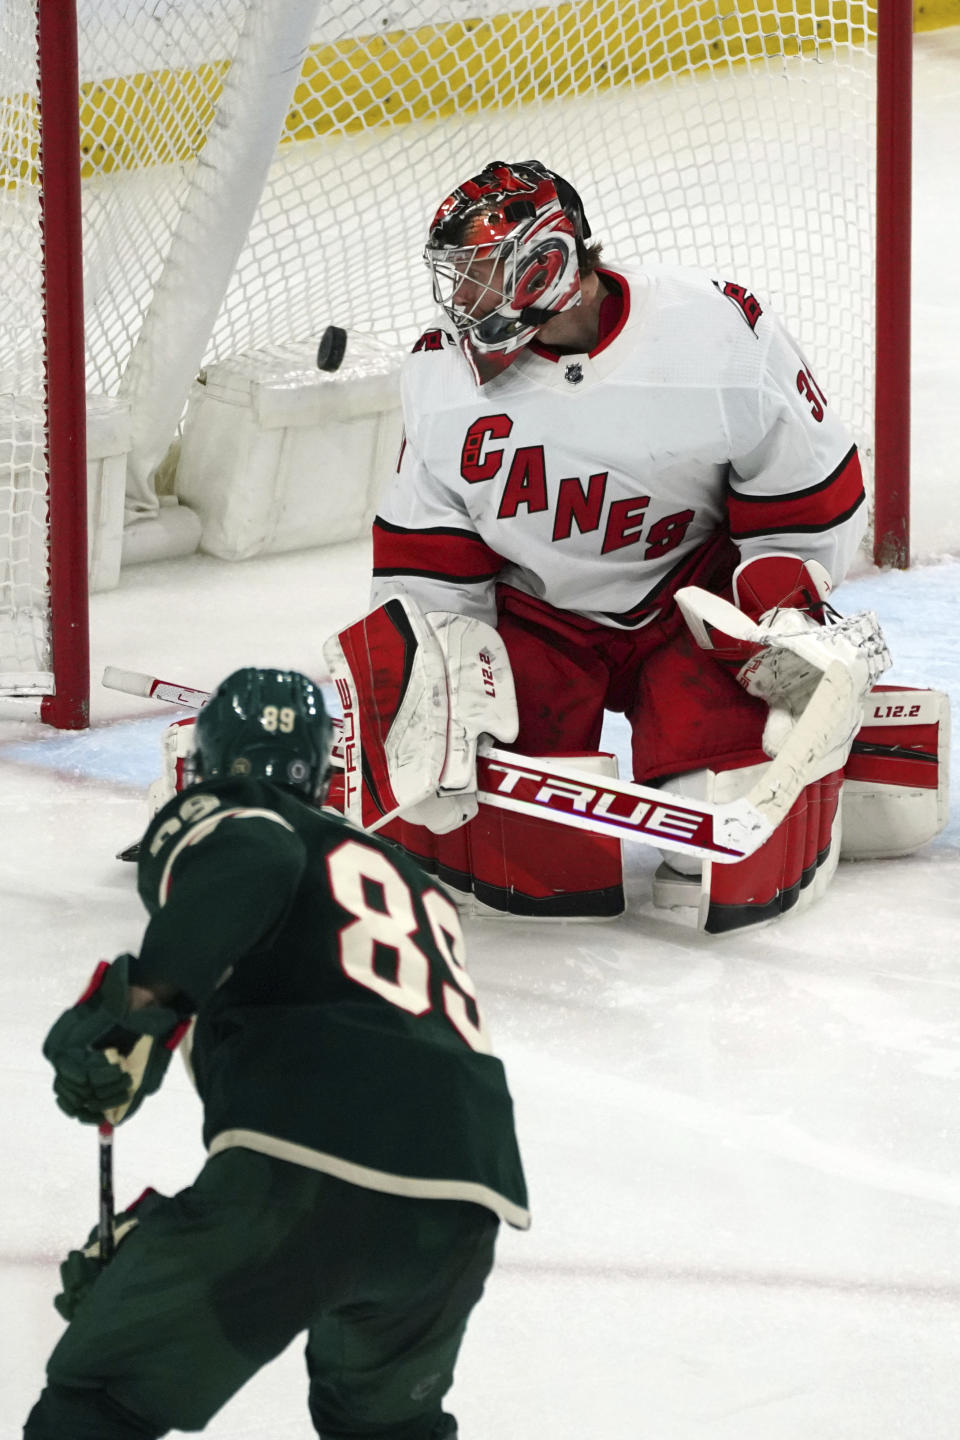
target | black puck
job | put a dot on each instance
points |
(330, 351)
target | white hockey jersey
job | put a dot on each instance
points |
(591, 481)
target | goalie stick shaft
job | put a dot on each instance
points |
(618, 808)
(722, 831)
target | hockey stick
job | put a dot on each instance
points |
(105, 1216)
(722, 831)
(132, 682)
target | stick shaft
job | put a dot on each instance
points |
(105, 1215)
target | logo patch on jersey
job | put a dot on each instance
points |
(747, 304)
(432, 340)
(573, 374)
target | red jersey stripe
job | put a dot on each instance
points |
(440, 551)
(819, 508)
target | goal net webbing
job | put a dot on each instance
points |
(738, 136)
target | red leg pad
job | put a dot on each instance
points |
(772, 881)
(522, 865)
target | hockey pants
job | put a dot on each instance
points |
(218, 1281)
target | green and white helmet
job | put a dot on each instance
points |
(266, 725)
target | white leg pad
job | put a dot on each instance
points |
(177, 746)
(896, 781)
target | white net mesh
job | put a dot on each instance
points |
(733, 134)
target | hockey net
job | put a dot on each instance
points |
(253, 170)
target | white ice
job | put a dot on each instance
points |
(743, 1153)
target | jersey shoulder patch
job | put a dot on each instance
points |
(744, 300)
(435, 339)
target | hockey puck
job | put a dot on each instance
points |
(330, 351)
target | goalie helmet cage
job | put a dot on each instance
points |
(765, 140)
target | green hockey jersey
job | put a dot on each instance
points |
(336, 1024)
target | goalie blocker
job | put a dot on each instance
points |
(417, 693)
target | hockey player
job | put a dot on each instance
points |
(360, 1133)
(580, 442)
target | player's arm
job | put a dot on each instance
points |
(795, 483)
(797, 512)
(217, 886)
(425, 545)
(217, 879)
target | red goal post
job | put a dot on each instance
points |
(249, 171)
(44, 630)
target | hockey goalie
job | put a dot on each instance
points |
(620, 490)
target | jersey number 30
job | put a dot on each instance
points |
(358, 873)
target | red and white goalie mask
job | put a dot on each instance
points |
(502, 251)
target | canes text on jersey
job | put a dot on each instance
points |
(525, 488)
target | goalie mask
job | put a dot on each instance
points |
(503, 254)
(266, 725)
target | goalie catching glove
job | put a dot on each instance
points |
(108, 1057)
(782, 654)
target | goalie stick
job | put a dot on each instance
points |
(725, 832)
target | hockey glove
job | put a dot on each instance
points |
(766, 586)
(108, 1057)
(794, 653)
(801, 634)
(781, 656)
(79, 1271)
